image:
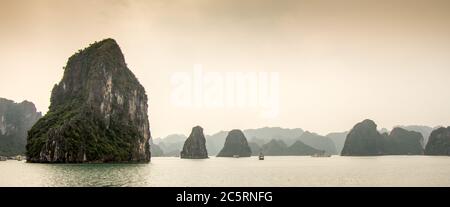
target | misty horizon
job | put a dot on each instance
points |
(337, 64)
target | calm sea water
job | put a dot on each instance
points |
(274, 171)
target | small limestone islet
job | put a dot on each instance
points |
(236, 145)
(194, 146)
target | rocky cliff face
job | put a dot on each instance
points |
(15, 121)
(439, 142)
(194, 146)
(235, 144)
(404, 142)
(98, 112)
(424, 130)
(364, 140)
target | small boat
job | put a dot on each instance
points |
(321, 154)
(235, 156)
(19, 158)
(261, 156)
(3, 158)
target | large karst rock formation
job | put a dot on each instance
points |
(439, 142)
(98, 112)
(365, 140)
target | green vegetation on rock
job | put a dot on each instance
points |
(98, 112)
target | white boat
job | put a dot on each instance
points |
(235, 156)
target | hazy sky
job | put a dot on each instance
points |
(339, 62)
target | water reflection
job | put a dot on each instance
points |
(101, 175)
(273, 171)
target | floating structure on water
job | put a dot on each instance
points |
(18, 158)
(261, 156)
(321, 154)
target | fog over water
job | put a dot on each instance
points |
(338, 62)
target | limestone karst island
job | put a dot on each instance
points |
(194, 147)
(257, 96)
(98, 112)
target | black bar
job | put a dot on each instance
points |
(234, 196)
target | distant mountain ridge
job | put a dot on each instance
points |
(171, 145)
(338, 139)
(332, 143)
(319, 142)
(15, 121)
(279, 148)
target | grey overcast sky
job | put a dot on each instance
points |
(339, 62)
